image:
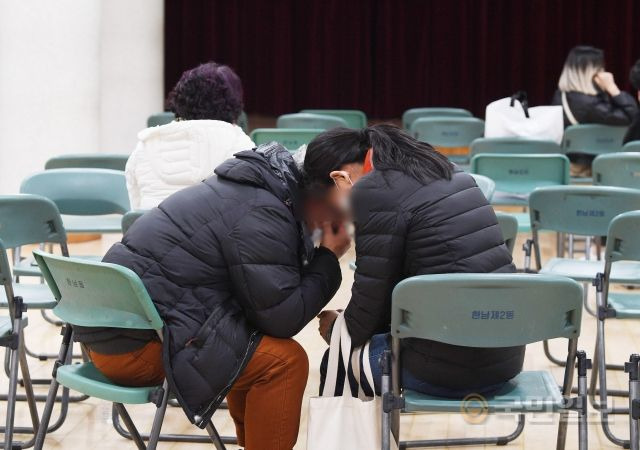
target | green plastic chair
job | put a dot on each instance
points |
(448, 132)
(513, 146)
(159, 119)
(582, 211)
(129, 218)
(95, 294)
(88, 161)
(410, 115)
(633, 146)
(593, 139)
(623, 245)
(353, 117)
(516, 176)
(486, 185)
(617, 169)
(12, 339)
(91, 200)
(509, 226)
(307, 120)
(292, 138)
(486, 311)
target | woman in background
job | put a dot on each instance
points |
(589, 94)
(207, 102)
(415, 213)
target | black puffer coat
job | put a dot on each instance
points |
(601, 108)
(225, 261)
(405, 228)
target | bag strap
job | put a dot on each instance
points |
(329, 389)
(522, 97)
(567, 110)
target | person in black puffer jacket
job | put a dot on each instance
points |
(415, 213)
(591, 95)
(233, 274)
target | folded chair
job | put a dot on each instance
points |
(487, 310)
(95, 294)
(623, 247)
(12, 339)
(583, 211)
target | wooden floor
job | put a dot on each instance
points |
(88, 424)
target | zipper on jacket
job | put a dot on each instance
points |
(199, 419)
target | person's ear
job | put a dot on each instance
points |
(341, 178)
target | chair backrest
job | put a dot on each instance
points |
(29, 219)
(129, 218)
(95, 294)
(353, 117)
(593, 139)
(410, 115)
(623, 238)
(513, 146)
(633, 146)
(580, 210)
(519, 175)
(447, 131)
(291, 139)
(486, 310)
(617, 169)
(308, 120)
(81, 191)
(162, 118)
(88, 161)
(486, 185)
(509, 226)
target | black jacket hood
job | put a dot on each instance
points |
(269, 166)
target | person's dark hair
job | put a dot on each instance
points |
(583, 56)
(392, 149)
(210, 91)
(634, 76)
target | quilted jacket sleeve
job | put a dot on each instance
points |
(380, 242)
(620, 110)
(278, 296)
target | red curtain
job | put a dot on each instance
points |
(385, 56)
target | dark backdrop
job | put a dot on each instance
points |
(384, 56)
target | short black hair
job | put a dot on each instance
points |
(392, 147)
(634, 75)
(210, 91)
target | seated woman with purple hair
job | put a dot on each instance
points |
(207, 102)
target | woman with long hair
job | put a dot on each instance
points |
(415, 213)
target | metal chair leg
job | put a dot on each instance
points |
(126, 418)
(633, 369)
(168, 437)
(63, 356)
(159, 417)
(13, 386)
(215, 437)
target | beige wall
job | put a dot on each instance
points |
(76, 76)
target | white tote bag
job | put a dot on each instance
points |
(510, 117)
(346, 422)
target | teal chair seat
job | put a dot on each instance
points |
(528, 391)
(110, 223)
(625, 272)
(87, 379)
(35, 296)
(626, 305)
(5, 326)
